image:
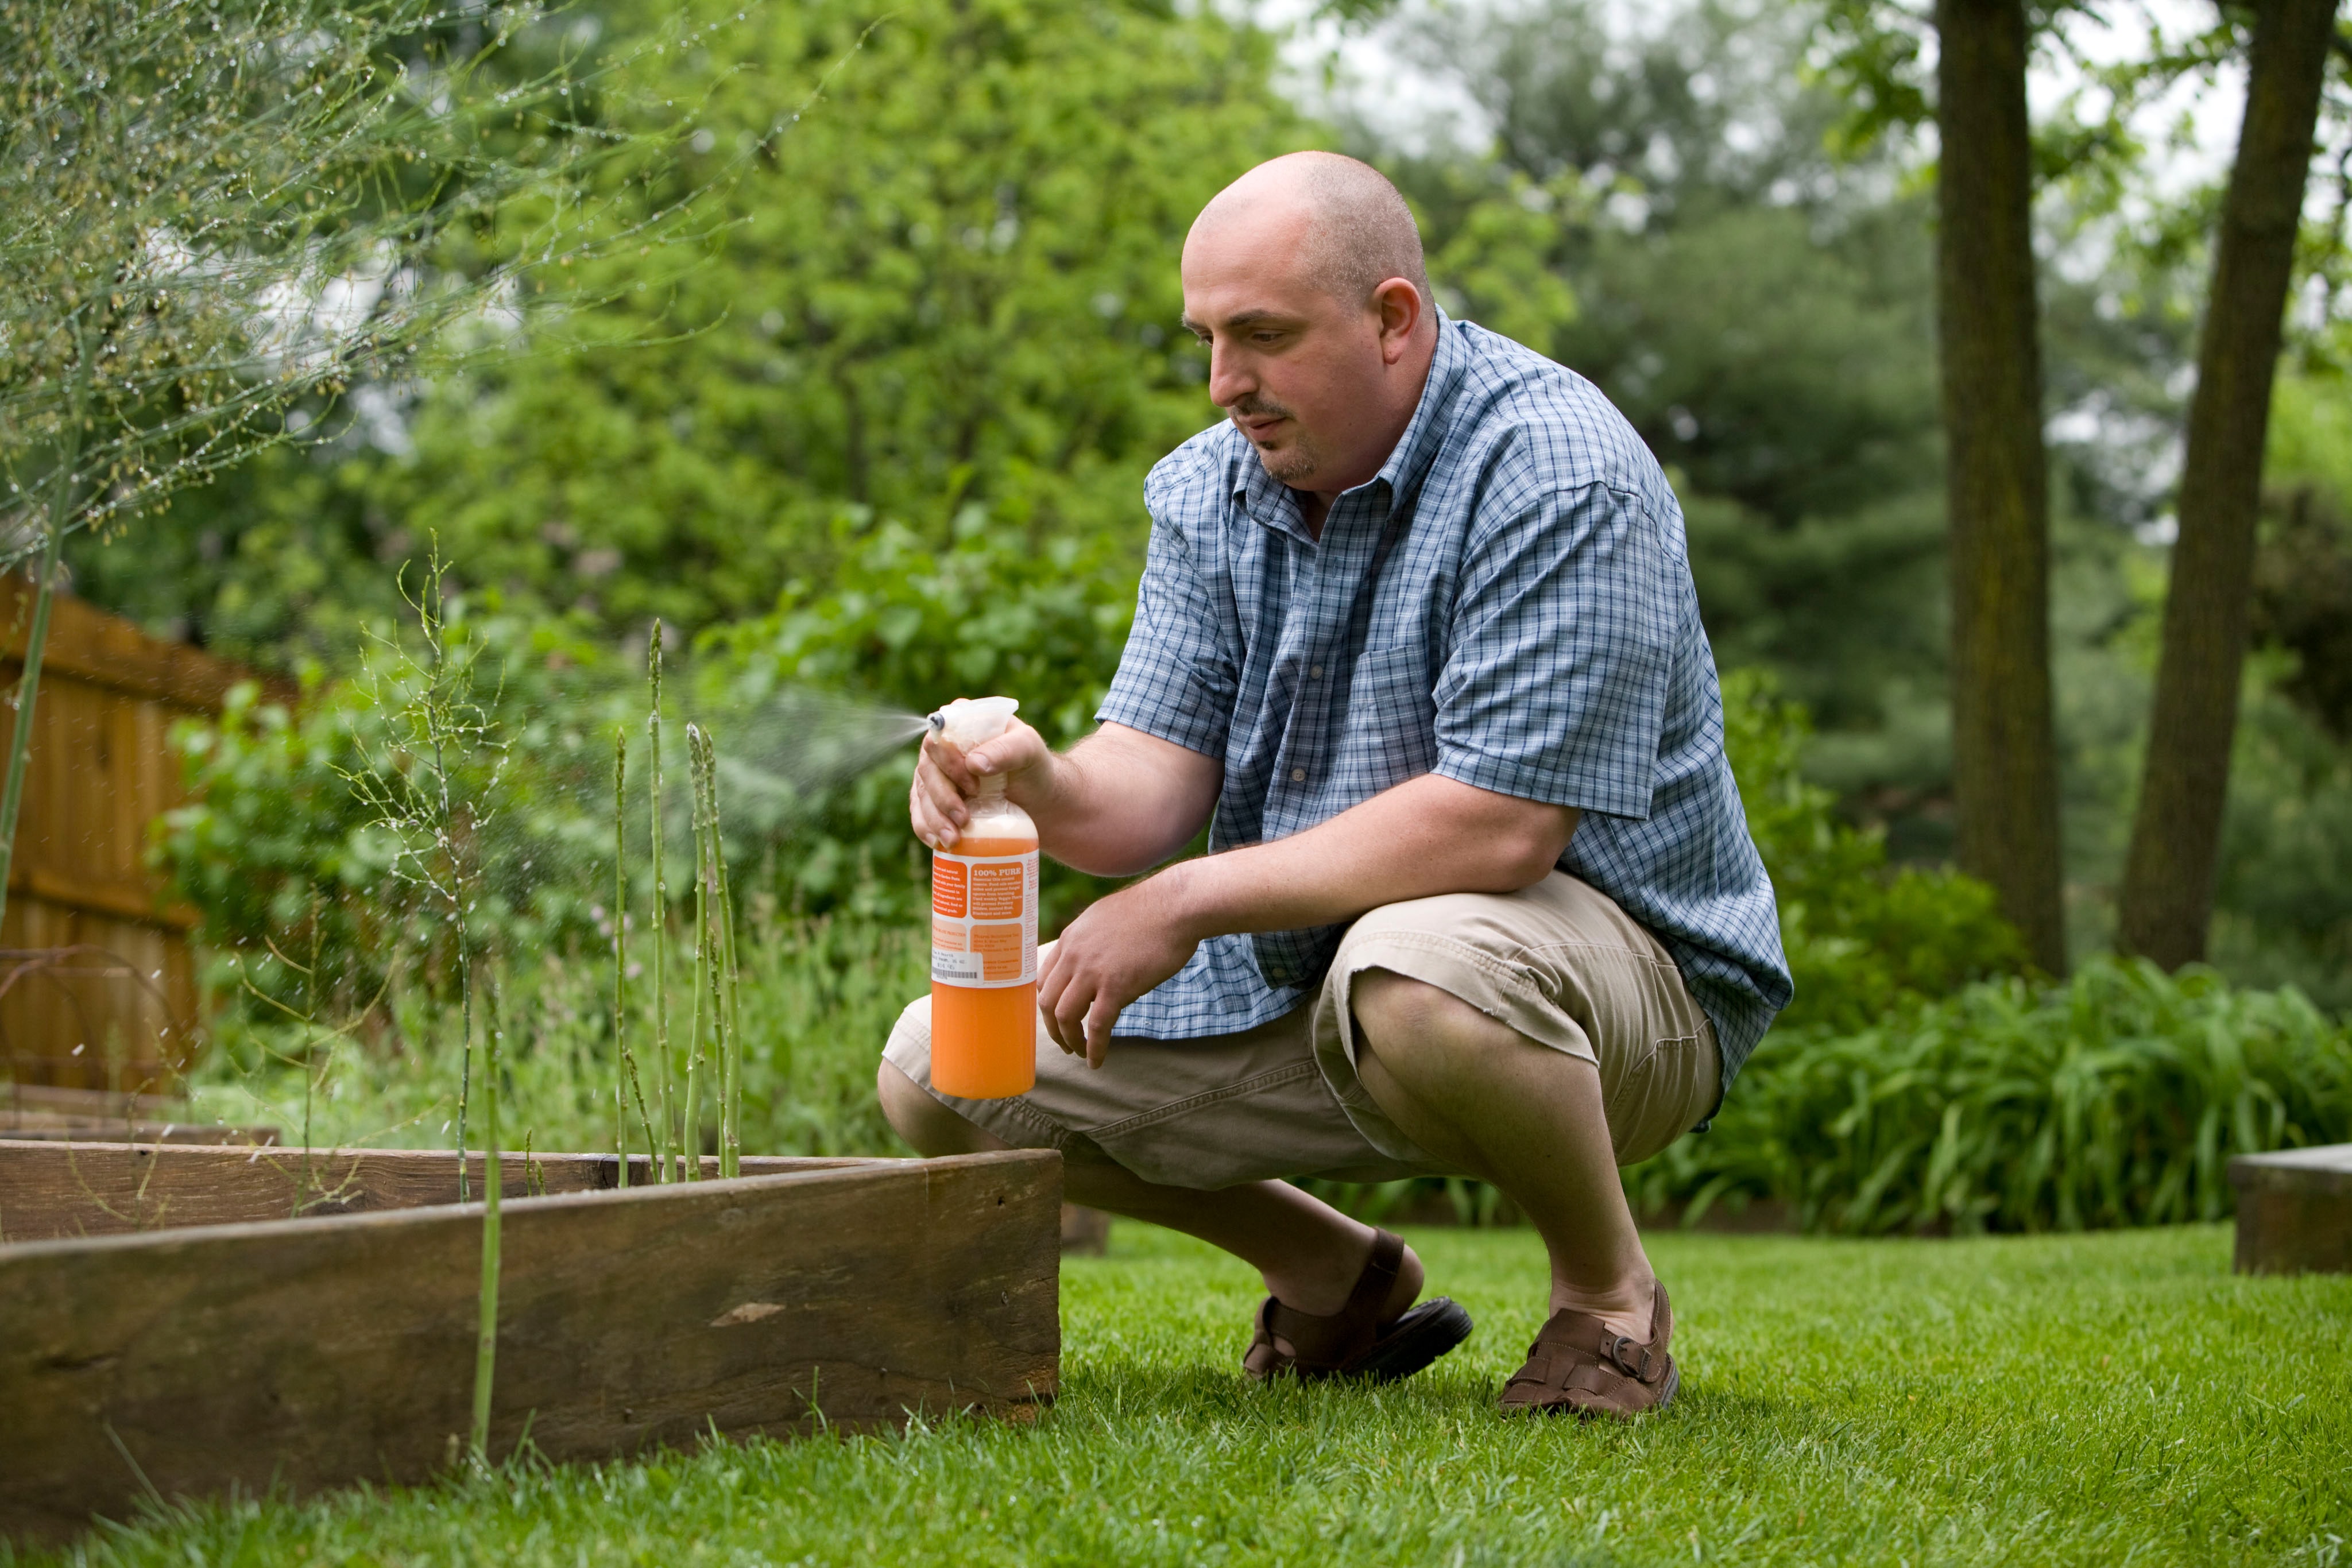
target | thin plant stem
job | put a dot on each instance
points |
(628, 1083)
(714, 971)
(694, 1052)
(730, 1139)
(661, 911)
(36, 634)
(309, 1044)
(486, 1323)
(465, 1056)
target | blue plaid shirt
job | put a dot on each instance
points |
(1509, 603)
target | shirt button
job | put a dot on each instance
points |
(1315, 672)
(1298, 775)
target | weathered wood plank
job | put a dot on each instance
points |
(2295, 1211)
(315, 1352)
(50, 1190)
(89, 644)
(42, 1126)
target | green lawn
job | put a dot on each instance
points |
(2097, 1399)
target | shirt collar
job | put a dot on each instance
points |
(1271, 502)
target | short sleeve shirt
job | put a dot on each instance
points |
(1507, 603)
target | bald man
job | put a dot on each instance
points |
(1417, 641)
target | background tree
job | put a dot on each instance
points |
(2004, 754)
(2168, 878)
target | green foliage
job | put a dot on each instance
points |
(952, 281)
(1863, 940)
(2285, 903)
(2115, 1098)
(213, 217)
(817, 999)
(274, 836)
(273, 839)
(997, 609)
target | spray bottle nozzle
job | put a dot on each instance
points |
(968, 721)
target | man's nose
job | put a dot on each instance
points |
(1230, 376)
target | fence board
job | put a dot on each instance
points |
(100, 772)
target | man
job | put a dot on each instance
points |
(1417, 624)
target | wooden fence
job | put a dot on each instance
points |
(97, 978)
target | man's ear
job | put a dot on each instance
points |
(1401, 311)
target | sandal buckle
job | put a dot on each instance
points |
(1615, 1352)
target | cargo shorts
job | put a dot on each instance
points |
(1559, 962)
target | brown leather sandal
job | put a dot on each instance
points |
(1353, 1341)
(1579, 1366)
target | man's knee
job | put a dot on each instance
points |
(928, 1127)
(1410, 1025)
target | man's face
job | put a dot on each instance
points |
(1299, 374)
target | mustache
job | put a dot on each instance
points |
(1257, 405)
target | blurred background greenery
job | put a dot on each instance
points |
(881, 430)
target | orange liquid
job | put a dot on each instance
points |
(984, 1039)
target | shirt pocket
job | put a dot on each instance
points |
(1391, 729)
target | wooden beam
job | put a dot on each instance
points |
(104, 1186)
(142, 905)
(299, 1355)
(89, 645)
(2295, 1211)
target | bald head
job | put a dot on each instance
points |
(1304, 279)
(1349, 229)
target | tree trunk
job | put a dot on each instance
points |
(2004, 757)
(2169, 875)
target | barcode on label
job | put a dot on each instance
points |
(956, 965)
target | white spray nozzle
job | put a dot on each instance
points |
(968, 721)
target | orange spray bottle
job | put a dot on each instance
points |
(984, 929)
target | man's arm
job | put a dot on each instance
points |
(1115, 804)
(1426, 836)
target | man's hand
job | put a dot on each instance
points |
(1118, 949)
(945, 779)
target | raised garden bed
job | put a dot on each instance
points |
(48, 1113)
(168, 1328)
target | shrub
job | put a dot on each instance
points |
(999, 609)
(818, 997)
(1862, 939)
(2115, 1098)
(273, 838)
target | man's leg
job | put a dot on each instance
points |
(1309, 1253)
(1527, 1118)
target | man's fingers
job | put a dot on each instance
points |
(940, 792)
(1019, 747)
(932, 826)
(1051, 983)
(1100, 1018)
(1069, 1014)
(950, 765)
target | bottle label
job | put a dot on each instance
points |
(984, 919)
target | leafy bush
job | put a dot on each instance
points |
(818, 997)
(284, 863)
(2115, 1098)
(1862, 939)
(1861, 936)
(998, 610)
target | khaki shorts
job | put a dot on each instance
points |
(1558, 962)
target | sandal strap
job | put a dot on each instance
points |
(1323, 1343)
(1577, 1361)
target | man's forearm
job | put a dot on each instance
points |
(1118, 803)
(1424, 837)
